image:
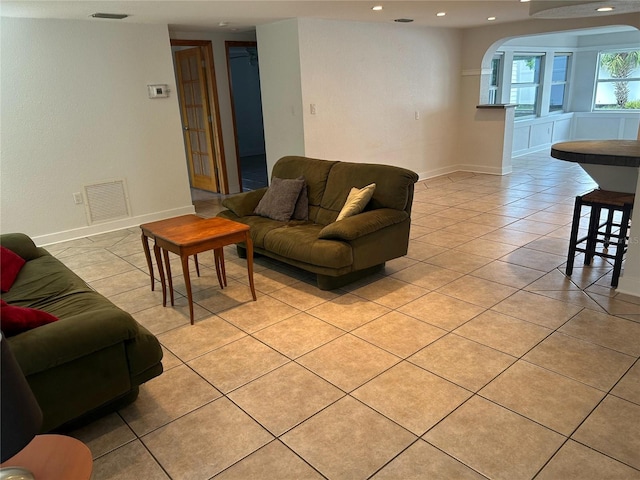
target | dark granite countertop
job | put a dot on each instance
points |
(618, 153)
(500, 106)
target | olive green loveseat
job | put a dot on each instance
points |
(338, 252)
(88, 362)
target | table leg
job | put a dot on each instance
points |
(222, 267)
(249, 245)
(169, 276)
(156, 251)
(187, 281)
(147, 255)
(195, 258)
(216, 260)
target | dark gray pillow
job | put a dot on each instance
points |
(280, 200)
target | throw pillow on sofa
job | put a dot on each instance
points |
(15, 319)
(10, 265)
(279, 201)
(356, 201)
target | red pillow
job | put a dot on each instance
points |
(15, 319)
(10, 265)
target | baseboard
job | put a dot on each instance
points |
(526, 151)
(66, 235)
(464, 168)
(629, 285)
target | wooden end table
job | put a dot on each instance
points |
(148, 232)
(54, 457)
(189, 235)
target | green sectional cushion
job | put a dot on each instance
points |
(301, 243)
(315, 173)
(362, 224)
(244, 204)
(259, 226)
(143, 353)
(301, 212)
(392, 185)
(22, 245)
(43, 283)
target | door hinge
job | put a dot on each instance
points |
(210, 119)
(204, 64)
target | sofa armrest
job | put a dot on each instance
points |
(244, 204)
(362, 224)
(22, 245)
(70, 338)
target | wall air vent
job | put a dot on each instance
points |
(107, 201)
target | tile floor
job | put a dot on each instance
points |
(472, 357)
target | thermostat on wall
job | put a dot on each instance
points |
(158, 91)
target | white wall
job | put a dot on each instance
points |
(217, 40)
(75, 111)
(367, 81)
(281, 90)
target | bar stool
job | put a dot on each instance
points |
(601, 232)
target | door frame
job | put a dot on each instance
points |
(227, 48)
(216, 129)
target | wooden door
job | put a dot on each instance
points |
(196, 119)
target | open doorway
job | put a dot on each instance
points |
(246, 107)
(197, 95)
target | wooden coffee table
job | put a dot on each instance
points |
(189, 235)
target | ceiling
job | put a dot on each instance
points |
(244, 15)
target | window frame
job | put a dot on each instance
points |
(497, 70)
(564, 82)
(538, 85)
(599, 81)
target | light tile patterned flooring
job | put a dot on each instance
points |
(472, 357)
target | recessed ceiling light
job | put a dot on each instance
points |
(110, 16)
(491, 19)
(223, 24)
(377, 8)
(403, 20)
(441, 14)
(524, 1)
(604, 9)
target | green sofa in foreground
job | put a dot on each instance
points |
(92, 359)
(342, 251)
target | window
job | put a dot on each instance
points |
(525, 83)
(618, 82)
(559, 82)
(496, 67)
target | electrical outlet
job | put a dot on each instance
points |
(313, 109)
(77, 198)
